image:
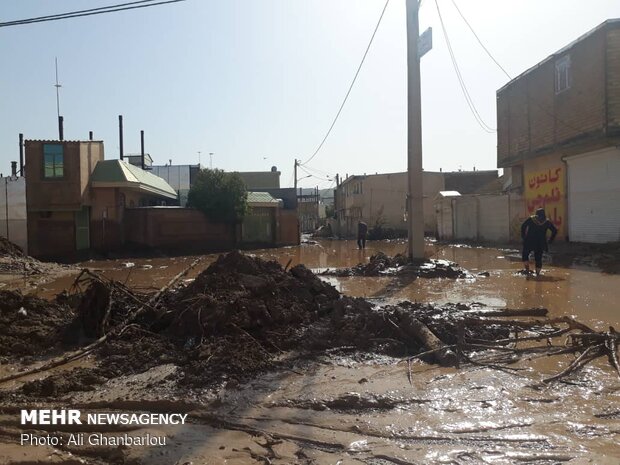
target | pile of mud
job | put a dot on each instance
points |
(400, 265)
(14, 261)
(7, 248)
(240, 316)
(31, 326)
(240, 291)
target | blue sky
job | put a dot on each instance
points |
(258, 82)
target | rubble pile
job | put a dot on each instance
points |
(400, 265)
(31, 326)
(7, 248)
(13, 260)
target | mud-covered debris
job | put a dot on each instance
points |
(13, 260)
(7, 248)
(243, 315)
(31, 326)
(240, 292)
(381, 264)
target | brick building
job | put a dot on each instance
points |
(76, 200)
(558, 136)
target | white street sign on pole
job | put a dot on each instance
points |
(425, 42)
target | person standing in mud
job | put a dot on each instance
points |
(362, 230)
(534, 235)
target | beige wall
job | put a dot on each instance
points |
(90, 154)
(382, 198)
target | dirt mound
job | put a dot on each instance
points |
(31, 326)
(243, 292)
(7, 248)
(240, 316)
(384, 265)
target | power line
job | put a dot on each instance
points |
(530, 100)
(351, 86)
(468, 99)
(9, 23)
(479, 41)
(318, 171)
(322, 178)
(89, 12)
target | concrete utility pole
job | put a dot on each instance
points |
(415, 211)
(295, 174)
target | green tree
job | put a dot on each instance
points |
(221, 196)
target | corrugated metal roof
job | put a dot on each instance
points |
(261, 197)
(121, 172)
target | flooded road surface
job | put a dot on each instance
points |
(580, 291)
(352, 408)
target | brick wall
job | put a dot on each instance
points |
(613, 82)
(177, 230)
(51, 235)
(535, 119)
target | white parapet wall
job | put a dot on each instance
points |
(13, 219)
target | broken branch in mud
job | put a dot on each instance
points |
(63, 360)
(500, 353)
(414, 328)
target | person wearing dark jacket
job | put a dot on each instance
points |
(534, 235)
(362, 230)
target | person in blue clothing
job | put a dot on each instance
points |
(534, 235)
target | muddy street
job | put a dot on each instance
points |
(344, 405)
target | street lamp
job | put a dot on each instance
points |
(210, 160)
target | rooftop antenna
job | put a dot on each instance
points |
(58, 86)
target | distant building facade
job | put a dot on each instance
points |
(381, 199)
(558, 136)
(261, 180)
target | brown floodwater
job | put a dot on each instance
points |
(581, 291)
(442, 416)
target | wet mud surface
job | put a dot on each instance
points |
(347, 396)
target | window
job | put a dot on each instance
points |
(562, 74)
(53, 161)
